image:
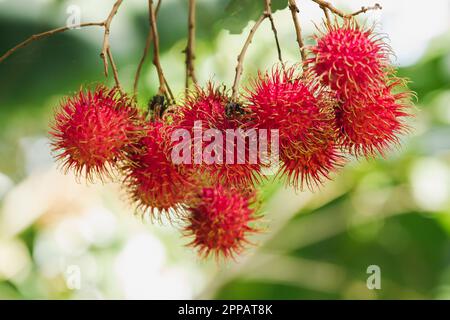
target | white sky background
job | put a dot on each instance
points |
(410, 24)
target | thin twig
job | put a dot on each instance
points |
(106, 50)
(190, 54)
(162, 90)
(298, 29)
(148, 42)
(342, 14)
(106, 47)
(327, 16)
(241, 56)
(44, 35)
(114, 69)
(274, 29)
(329, 6)
(168, 89)
(376, 6)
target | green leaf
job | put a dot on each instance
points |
(239, 12)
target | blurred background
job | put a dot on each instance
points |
(62, 239)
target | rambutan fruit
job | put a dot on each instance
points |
(227, 161)
(219, 221)
(310, 165)
(152, 180)
(370, 125)
(91, 130)
(349, 58)
(354, 62)
(302, 112)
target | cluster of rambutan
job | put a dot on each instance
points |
(369, 105)
(341, 101)
(101, 133)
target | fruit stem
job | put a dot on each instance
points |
(329, 6)
(163, 86)
(241, 56)
(274, 30)
(148, 42)
(298, 29)
(190, 54)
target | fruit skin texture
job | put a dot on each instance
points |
(349, 58)
(354, 62)
(219, 221)
(91, 130)
(370, 125)
(151, 178)
(209, 106)
(312, 165)
(302, 112)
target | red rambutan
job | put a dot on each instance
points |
(151, 178)
(91, 130)
(371, 125)
(349, 58)
(219, 221)
(211, 108)
(302, 112)
(310, 165)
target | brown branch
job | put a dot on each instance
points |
(163, 87)
(148, 42)
(327, 16)
(44, 35)
(114, 69)
(274, 29)
(329, 6)
(169, 91)
(241, 56)
(376, 6)
(105, 54)
(298, 29)
(106, 50)
(190, 54)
